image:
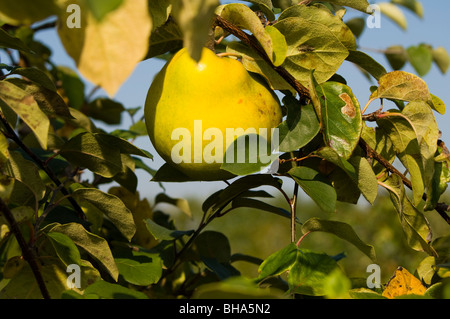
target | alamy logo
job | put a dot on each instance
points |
(243, 146)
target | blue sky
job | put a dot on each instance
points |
(432, 29)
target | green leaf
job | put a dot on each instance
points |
(300, 126)
(396, 56)
(357, 26)
(194, 17)
(212, 245)
(364, 293)
(166, 38)
(26, 172)
(358, 169)
(105, 109)
(367, 63)
(181, 203)
(73, 86)
(321, 14)
(86, 150)
(105, 290)
(414, 224)
(360, 5)
(421, 58)
(279, 45)
(316, 186)
(162, 233)
(437, 104)
(441, 58)
(400, 85)
(8, 41)
(406, 145)
(94, 245)
(50, 102)
(422, 118)
(24, 12)
(394, 13)
(26, 107)
(311, 46)
(278, 262)
(341, 230)
(341, 117)
(238, 188)
(168, 173)
(235, 288)
(140, 268)
(254, 159)
(87, 45)
(243, 17)
(160, 11)
(253, 203)
(413, 5)
(112, 207)
(65, 248)
(100, 8)
(309, 273)
(253, 62)
(37, 76)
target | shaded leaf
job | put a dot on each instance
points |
(112, 207)
(367, 63)
(300, 127)
(94, 245)
(162, 233)
(341, 230)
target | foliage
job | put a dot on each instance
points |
(54, 216)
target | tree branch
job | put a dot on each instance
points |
(254, 44)
(42, 165)
(27, 251)
(441, 208)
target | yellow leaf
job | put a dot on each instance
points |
(403, 283)
(106, 52)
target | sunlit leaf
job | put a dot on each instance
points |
(394, 13)
(421, 58)
(403, 283)
(321, 14)
(26, 107)
(94, 245)
(128, 26)
(406, 145)
(441, 58)
(317, 186)
(400, 85)
(341, 117)
(112, 207)
(311, 46)
(413, 5)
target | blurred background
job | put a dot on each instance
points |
(259, 233)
